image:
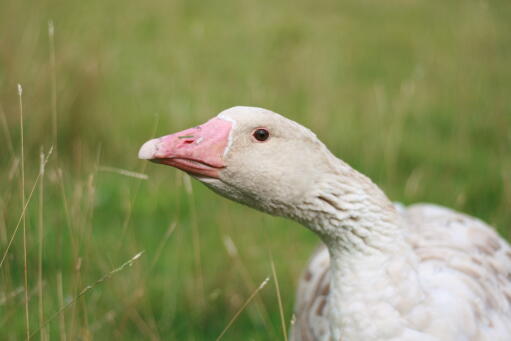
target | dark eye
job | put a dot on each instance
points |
(261, 134)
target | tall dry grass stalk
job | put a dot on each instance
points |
(131, 202)
(249, 283)
(62, 318)
(279, 298)
(124, 172)
(40, 246)
(24, 223)
(23, 212)
(83, 291)
(195, 242)
(244, 305)
(51, 41)
(65, 201)
(161, 246)
(7, 133)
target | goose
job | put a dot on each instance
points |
(385, 271)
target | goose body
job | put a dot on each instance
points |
(462, 264)
(385, 272)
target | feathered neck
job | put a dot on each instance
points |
(350, 213)
(365, 236)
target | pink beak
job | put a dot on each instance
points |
(198, 151)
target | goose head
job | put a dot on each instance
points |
(250, 155)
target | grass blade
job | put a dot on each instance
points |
(88, 288)
(247, 302)
(24, 223)
(23, 212)
(279, 298)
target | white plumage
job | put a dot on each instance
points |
(464, 269)
(387, 272)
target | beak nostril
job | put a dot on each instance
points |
(187, 139)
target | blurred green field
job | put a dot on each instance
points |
(415, 94)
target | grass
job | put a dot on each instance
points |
(414, 94)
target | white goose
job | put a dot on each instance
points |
(387, 273)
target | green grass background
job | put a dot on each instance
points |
(415, 94)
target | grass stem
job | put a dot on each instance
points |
(247, 302)
(195, 241)
(62, 318)
(6, 131)
(24, 223)
(23, 213)
(40, 245)
(85, 290)
(279, 298)
(51, 40)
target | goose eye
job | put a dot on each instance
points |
(261, 134)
